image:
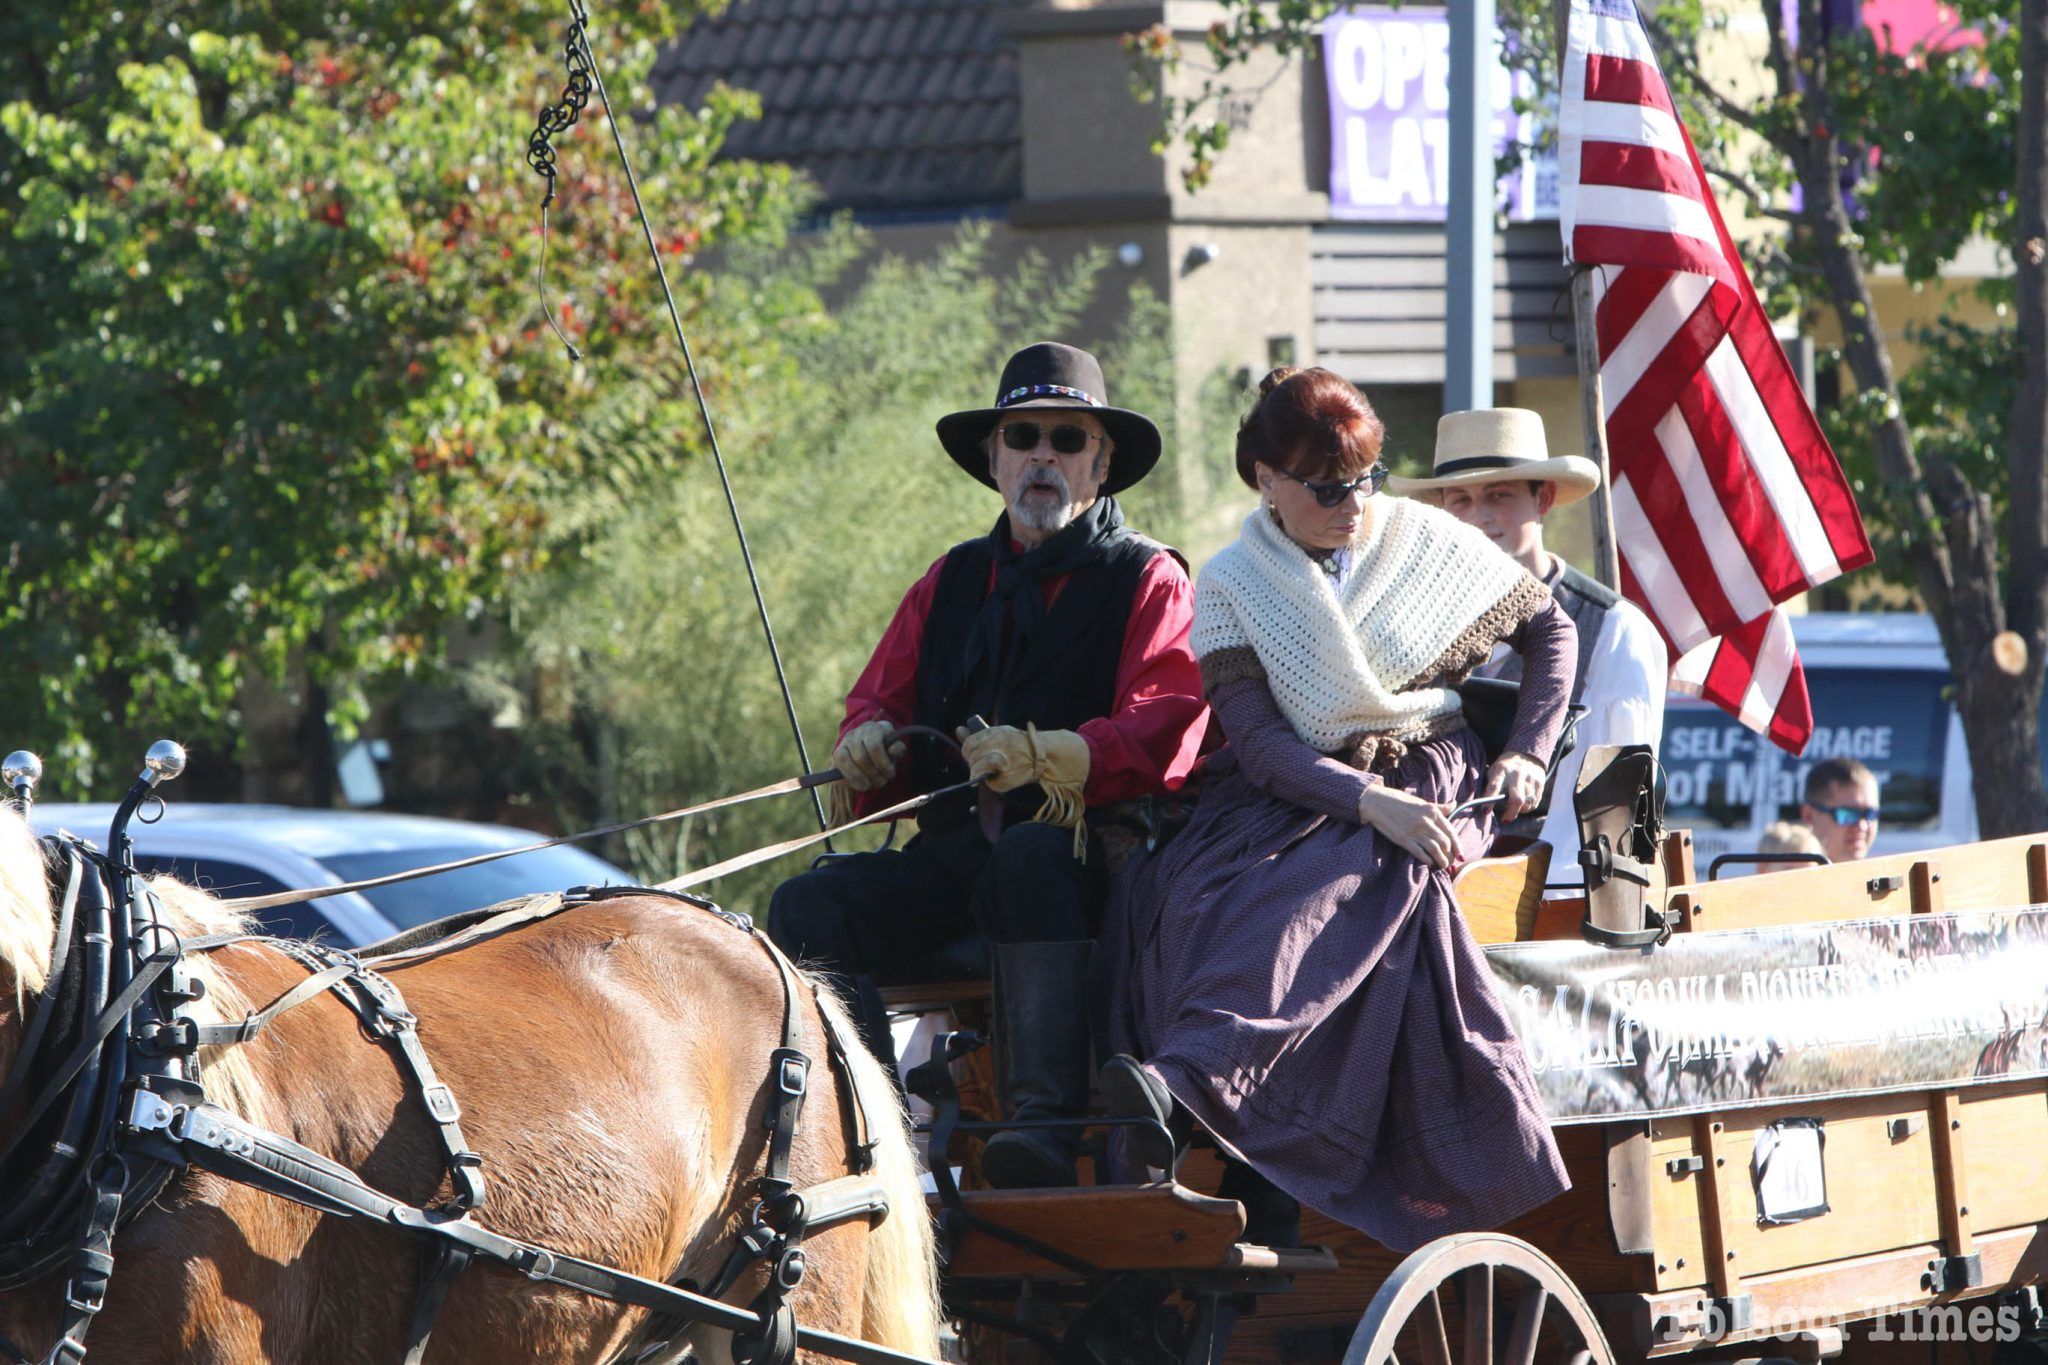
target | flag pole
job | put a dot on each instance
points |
(1592, 401)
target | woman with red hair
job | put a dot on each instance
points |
(1293, 970)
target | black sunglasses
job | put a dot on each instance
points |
(1066, 438)
(1849, 815)
(1330, 494)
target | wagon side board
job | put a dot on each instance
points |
(1934, 1197)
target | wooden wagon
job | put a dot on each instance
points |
(1936, 1196)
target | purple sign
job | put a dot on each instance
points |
(1389, 85)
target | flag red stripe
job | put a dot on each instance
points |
(1821, 474)
(1636, 416)
(1792, 721)
(1636, 168)
(1629, 293)
(1648, 468)
(1592, 242)
(1623, 80)
(1740, 494)
(1632, 589)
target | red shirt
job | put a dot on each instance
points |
(1145, 746)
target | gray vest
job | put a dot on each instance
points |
(1587, 603)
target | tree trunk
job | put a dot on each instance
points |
(2014, 802)
(1957, 565)
(316, 746)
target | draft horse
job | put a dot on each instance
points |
(611, 1067)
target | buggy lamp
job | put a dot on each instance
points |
(20, 771)
(164, 762)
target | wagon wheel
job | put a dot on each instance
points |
(1513, 1304)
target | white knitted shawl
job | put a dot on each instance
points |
(1425, 601)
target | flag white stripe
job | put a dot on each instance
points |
(1571, 105)
(1611, 37)
(1772, 463)
(1774, 664)
(1645, 211)
(1689, 674)
(1633, 125)
(1632, 358)
(1663, 591)
(1745, 591)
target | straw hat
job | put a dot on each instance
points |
(1490, 445)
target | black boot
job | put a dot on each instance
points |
(1131, 1092)
(1272, 1217)
(1042, 1040)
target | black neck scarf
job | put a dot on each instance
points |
(1079, 543)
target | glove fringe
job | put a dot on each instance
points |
(838, 804)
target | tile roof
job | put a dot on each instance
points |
(887, 104)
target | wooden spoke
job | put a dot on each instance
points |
(1528, 1326)
(1429, 1329)
(1478, 1281)
(1486, 1271)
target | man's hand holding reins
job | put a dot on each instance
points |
(1520, 778)
(1422, 827)
(866, 758)
(1007, 758)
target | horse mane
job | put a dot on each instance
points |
(900, 1295)
(27, 922)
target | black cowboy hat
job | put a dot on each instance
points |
(1048, 377)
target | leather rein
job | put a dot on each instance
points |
(111, 1052)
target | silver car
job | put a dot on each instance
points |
(255, 850)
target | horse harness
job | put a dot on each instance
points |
(124, 1107)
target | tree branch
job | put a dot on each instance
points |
(1671, 50)
(1759, 202)
(1780, 53)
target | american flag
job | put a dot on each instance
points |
(1727, 499)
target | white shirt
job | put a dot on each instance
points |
(1624, 701)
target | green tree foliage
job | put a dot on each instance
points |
(276, 400)
(639, 661)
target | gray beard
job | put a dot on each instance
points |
(1038, 517)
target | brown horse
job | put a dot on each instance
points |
(611, 1064)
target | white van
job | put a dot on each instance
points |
(1880, 685)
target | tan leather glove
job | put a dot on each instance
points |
(1057, 760)
(866, 758)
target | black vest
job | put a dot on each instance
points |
(1065, 677)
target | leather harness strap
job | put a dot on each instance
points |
(167, 1122)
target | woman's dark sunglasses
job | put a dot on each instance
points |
(1066, 439)
(1331, 494)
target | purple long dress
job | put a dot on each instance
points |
(1308, 990)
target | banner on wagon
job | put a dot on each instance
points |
(1726, 1020)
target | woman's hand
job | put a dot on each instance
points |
(1520, 778)
(1422, 827)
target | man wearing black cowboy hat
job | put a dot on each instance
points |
(1068, 633)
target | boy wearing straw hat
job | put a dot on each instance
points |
(1494, 471)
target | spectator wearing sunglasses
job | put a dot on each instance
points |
(1494, 470)
(1297, 946)
(1068, 632)
(1841, 808)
